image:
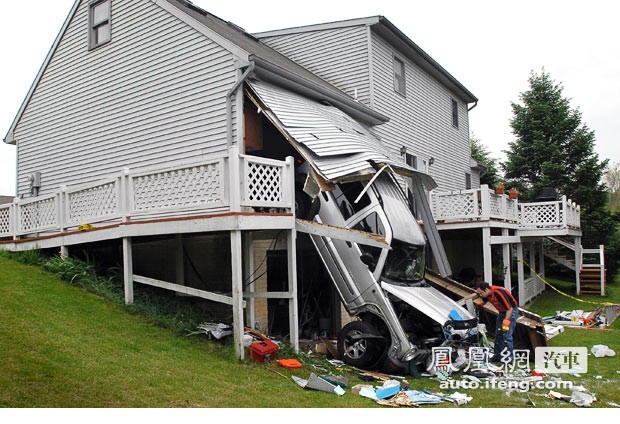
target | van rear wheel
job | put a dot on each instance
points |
(360, 344)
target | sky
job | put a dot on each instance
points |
(491, 47)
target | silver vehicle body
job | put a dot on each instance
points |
(367, 289)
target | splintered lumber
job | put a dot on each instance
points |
(530, 331)
(330, 347)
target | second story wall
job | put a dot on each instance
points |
(356, 57)
(339, 56)
(421, 119)
(154, 95)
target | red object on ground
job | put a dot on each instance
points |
(538, 373)
(263, 350)
(289, 363)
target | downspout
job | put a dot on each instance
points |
(229, 95)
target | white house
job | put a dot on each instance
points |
(157, 125)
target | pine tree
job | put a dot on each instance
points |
(481, 153)
(553, 148)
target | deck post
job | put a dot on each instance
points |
(64, 251)
(291, 249)
(521, 274)
(234, 170)
(601, 249)
(180, 260)
(541, 259)
(236, 255)
(486, 255)
(128, 270)
(248, 275)
(507, 260)
(578, 265)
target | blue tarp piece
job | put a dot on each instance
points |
(387, 392)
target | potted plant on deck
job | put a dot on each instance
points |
(499, 189)
(513, 193)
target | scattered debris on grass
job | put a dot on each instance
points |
(600, 351)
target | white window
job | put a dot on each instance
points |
(399, 76)
(100, 25)
(467, 181)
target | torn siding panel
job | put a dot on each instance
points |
(332, 141)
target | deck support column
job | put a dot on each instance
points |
(64, 251)
(180, 260)
(507, 259)
(578, 264)
(128, 270)
(486, 255)
(248, 276)
(291, 248)
(520, 273)
(236, 255)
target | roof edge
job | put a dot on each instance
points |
(10, 135)
(467, 95)
(371, 20)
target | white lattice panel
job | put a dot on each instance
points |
(263, 185)
(452, 206)
(38, 215)
(91, 203)
(196, 186)
(544, 215)
(533, 287)
(5, 221)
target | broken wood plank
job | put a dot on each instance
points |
(341, 233)
(330, 347)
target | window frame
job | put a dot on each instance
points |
(397, 60)
(468, 184)
(454, 107)
(94, 26)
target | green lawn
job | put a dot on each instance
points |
(64, 347)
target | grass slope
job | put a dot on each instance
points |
(64, 347)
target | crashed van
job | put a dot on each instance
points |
(345, 178)
(398, 316)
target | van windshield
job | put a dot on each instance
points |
(404, 263)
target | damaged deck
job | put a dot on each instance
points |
(530, 330)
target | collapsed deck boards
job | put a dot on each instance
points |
(530, 331)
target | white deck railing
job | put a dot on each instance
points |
(483, 204)
(225, 183)
(473, 205)
(549, 215)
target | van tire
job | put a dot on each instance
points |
(360, 352)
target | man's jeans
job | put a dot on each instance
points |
(504, 339)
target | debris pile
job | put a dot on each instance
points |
(600, 351)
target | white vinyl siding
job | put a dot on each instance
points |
(339, 56)
(400, 76)
(160, 100)
(475, 179)
(418, 121)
